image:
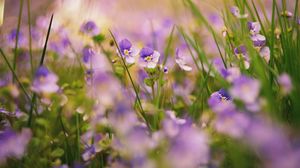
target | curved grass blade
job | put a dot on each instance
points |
(142, 112)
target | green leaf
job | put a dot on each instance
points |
(58, 152)
(149, 81)
(99, 38)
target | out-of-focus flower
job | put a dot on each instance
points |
(221, 102)
(44, 81)
(245, 89)
(192, 144)
(287, 14)
(149, 57)
(12, 37)
(180, 60)
(241, 53)
(87, 54)
(258, 40)
(232, 123)
(92, 149)
(236, 12)
(89, 28)
(128, 51)
(265, 53)
(285, 83)
(171, 125)
(254, 27)
(13, 144)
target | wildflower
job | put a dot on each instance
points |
(181, 61)
(224, 31)
(190, 143)
(12, 37)
(285, 83)
(221, 101)
(241, 53)
(13, 144)
(149, 57)
(128, 51)
(45, 81)
(258, 40)
(245, 89)
(171, 125)
(89, 28)
(87, 54)
(232, 73)
(89, 153)
(220, 96)
(254, 27)
(265, 53)
(232, 123)
(166, 70)
(236, 12)
(287, 14)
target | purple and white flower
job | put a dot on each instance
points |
(89, 28)
(45, 81)
(149, 57)
(180, 60)
(245, 89)
(128, 51)
(265, 53)
(236, 12)
(285, 83)
(13, 144)
(254, 27)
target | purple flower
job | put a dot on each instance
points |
(149, 57)
(287, 14)
(265, 53)
(232, 123)
(87, 54)
(13, 144)
(128, 51)
(189, 148)
(89, 153)
(254, 27)
(181, 61)
(221, 102)
(245, 89)
(240, 50)
(285, 83)
(258, 40)
(236, 12)
(89, 28)
(241, 53)
(12, 36)
(171, 125)
(44, 81)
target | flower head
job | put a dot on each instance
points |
(236, 12)
(128, 51)
(45, 81)
(181, 61)
(258, 40)
(241, 53)
(12, 37)
(245, 89)
(149, 57)
(254, 27)
(265, 53)
(89, 28)
(13, 144)
(285, 83)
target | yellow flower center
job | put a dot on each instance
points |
(148, 58)
(126, 52)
